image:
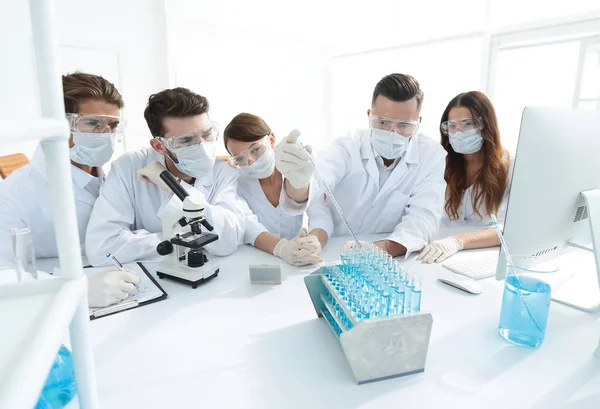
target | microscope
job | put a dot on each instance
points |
(184, 259)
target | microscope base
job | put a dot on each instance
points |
(193, 276)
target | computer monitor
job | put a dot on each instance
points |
(557, 158)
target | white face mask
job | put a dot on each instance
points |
(92, 149)
(262, 168)
(197, 160)
(388, 145)
(466, 143)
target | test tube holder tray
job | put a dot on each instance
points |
(376, 348)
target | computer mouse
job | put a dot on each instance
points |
(462, 283)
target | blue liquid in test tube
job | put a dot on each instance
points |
(408, 293)
(415, 303)
(400, 290)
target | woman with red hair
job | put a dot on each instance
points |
(477, 175)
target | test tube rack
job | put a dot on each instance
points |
(376, 348)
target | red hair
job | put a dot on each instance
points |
(490, 182)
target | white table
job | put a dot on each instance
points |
(228, 344)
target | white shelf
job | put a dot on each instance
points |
(21, 130)
(34, 316)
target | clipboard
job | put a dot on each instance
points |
(139, 300)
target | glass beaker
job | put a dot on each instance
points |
(23, 252)
(525, 302)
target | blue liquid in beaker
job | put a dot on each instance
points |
(517, 325)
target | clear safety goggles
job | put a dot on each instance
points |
(253, 152)
(467, 125)
(404, 128)
(209, 133)
(92, 123)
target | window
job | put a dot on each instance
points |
(587, 94)
(510, 12)
(444, 69)
(542, 75)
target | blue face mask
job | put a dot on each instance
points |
(465, 143)
(388, 145)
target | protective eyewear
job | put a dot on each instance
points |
(404, 128)
(209, 133)
(91, 123)
(467, 125)
(253, 152)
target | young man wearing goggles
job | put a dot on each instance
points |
(127, 219)
(388, 178)
(92, 106)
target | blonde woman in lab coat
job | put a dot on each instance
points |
(275, 224)
(478, 175)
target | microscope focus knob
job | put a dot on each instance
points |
(164, 248)
(196, 258)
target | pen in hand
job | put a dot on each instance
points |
(116, 262)
(119, 265)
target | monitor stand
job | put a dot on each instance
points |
(581, 289)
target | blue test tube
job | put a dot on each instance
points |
(385, 296)
(415, 303)
(390, 264)
(408, 280)
(400, 294)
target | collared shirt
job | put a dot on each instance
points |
(25, 203)
(385, 171)
(283, 221)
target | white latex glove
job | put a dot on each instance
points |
(301, 251)
(349, 245)
(439, 250)
(151, 174)
(293, 161)
(110, 286)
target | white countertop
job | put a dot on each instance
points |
(228, 344)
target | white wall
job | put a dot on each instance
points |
(310, 65)
(260, 70)
(122, 38)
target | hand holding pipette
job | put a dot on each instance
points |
(293, 161)
(307, 154)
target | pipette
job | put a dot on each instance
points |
(330, 195)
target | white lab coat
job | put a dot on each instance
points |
(25, 202)
(466, 213)
(126, 220)
(283, 221)
(409, 205)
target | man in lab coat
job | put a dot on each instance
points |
(388, 178)
(127, 218)
(92, 105)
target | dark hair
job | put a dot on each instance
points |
(79, 86)
(398, 88)
(492, 178)
(245, 128)
(177, 103)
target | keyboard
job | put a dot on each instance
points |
(475, 265)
